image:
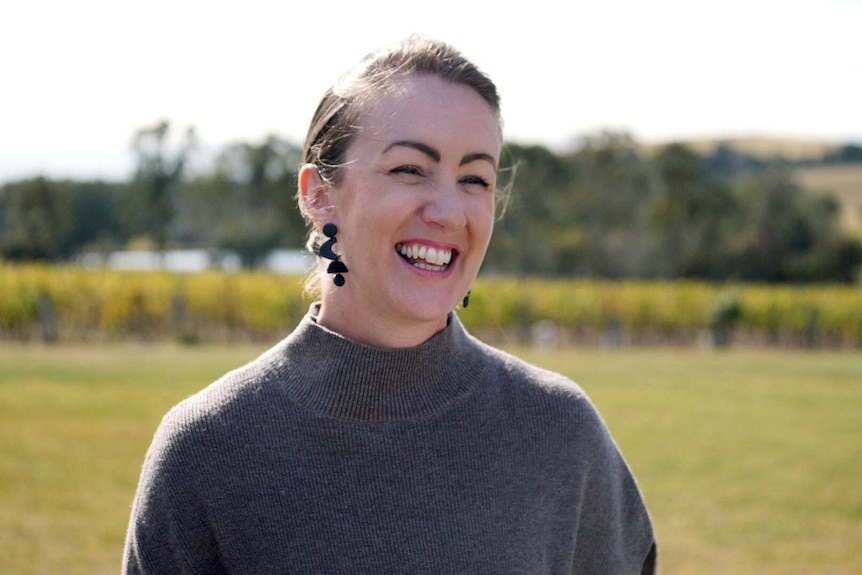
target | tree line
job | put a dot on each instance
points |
(603, 209)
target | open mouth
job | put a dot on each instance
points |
(426, 257)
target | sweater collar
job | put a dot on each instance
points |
(339, 378)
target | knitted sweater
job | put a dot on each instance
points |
(325, 456)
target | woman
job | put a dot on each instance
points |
(380, 437)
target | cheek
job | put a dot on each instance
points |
(373, 220)
(481, 213)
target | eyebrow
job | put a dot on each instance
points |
(435, 155)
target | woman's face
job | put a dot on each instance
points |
(414, 209)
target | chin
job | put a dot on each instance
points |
(428, 309)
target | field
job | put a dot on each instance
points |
(749, 459)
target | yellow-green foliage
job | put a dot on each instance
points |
(216, 305)
(591, 304)
(792, 314)
(101, 303)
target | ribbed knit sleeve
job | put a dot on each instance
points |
(169, 531)
(614, 533)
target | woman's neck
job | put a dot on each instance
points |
(362, 325)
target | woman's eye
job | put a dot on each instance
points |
(476, 181)
(407, 170)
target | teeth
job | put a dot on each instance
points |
(426, 258)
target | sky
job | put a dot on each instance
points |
(77, 79)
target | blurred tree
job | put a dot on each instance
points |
(601, 209)
(847, 154)
(95, 206)
(575, 213)
(247, 203)
(787, 235)
(523, 232)
(34, 219)
(690, 217)
(605, 212)
(272, 167)
(159, 172)
(727, 161)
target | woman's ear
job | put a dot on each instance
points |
(315, 195)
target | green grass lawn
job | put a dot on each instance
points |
(750, 460)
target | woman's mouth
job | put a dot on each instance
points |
(426, 257)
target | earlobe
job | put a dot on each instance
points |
(314, 193)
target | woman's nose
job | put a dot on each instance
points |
(444, 208)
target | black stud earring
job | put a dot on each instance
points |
(466, 301)
(337, 266)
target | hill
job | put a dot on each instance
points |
(763, 147)
(842, 181)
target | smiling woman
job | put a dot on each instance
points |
(379, 436)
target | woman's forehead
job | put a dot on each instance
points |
(430, 109)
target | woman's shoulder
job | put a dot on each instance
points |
(536, 392)
(549, 408)
(227, 400)
(519, 374)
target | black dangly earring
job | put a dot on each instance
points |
(466, 301)
(337, 266)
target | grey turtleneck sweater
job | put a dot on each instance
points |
(325, 456)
